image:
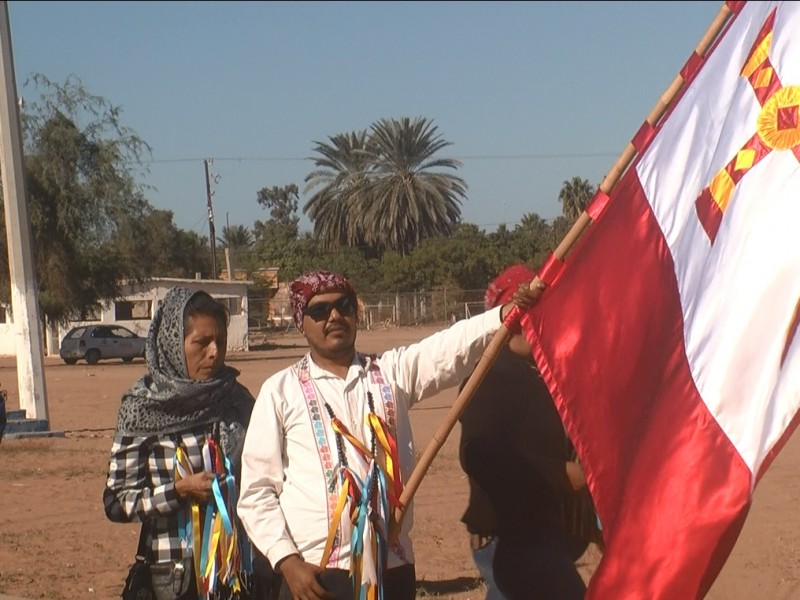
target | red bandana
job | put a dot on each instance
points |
(308, 285)
(502, 287)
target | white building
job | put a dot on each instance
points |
(136, 307)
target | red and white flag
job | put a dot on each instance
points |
(669, 340)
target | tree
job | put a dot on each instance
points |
(409, 198)
(80, 162)
(159, 248)
(282, 204)
(238, 241)
(276, 239)
(462, 260)
(532, 239)
(237, 238)
(575, 194)
(192, 254)
(342, 183)
(384, 189)
(281, 229)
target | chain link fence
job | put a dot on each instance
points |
(419, 308)
(406, 309)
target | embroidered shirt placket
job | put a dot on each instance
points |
(323, 447)
(321, 435)
(391, 417)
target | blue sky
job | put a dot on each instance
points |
(529, 94)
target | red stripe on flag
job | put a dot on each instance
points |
(692, 66)
(709, 213)
(671, 491)
(735, 6)
(643, 137)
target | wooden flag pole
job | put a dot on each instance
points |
(537, 286)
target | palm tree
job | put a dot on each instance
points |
(342, 189)
(410, 199)
(575, 194)
(236, 237)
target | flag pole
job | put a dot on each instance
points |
(537, 286)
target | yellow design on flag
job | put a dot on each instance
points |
(777, 128)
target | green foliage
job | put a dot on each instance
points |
(463, 260)
(384, 189)
(342, 184)
(531, 240)
(236, 237)
(575, 194)
(156, 247)
(282, 203)
(82, 191)
(238, 240)
(400, 273)
(385, 211)
(386, 214)
(412, 199)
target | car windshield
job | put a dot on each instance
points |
(76, 333)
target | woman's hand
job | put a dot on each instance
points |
(576, 476)
(196, 487)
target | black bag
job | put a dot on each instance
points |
(139, 583)
(172, 580)
(148, 580)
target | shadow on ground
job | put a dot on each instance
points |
(448, 586)
(257, 346)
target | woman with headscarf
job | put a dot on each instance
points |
(175, 458)
(524, 481)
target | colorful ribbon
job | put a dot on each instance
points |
(368, 505)
(220, 553)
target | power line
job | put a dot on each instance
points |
(541, 156)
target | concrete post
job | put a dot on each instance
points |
(24, 290)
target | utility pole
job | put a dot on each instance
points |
(24, 290)
(228, 251)
(211, 234)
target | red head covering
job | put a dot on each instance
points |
(308, 285)
(502, 287)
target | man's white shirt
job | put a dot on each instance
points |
(284, 499)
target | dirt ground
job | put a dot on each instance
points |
(56, 543)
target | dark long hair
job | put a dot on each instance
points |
(201, 303)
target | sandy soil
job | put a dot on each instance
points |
(56, 543)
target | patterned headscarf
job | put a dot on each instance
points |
(166, 400)
(308, 285)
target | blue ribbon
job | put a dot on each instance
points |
(220, 503)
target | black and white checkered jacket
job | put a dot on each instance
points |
(141, 485)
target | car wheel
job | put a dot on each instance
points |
(92, 356)
(70, 361)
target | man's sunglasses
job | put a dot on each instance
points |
(322, 310)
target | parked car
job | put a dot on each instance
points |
(93, 343)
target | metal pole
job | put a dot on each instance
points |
(24, 289)
(211, 233)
